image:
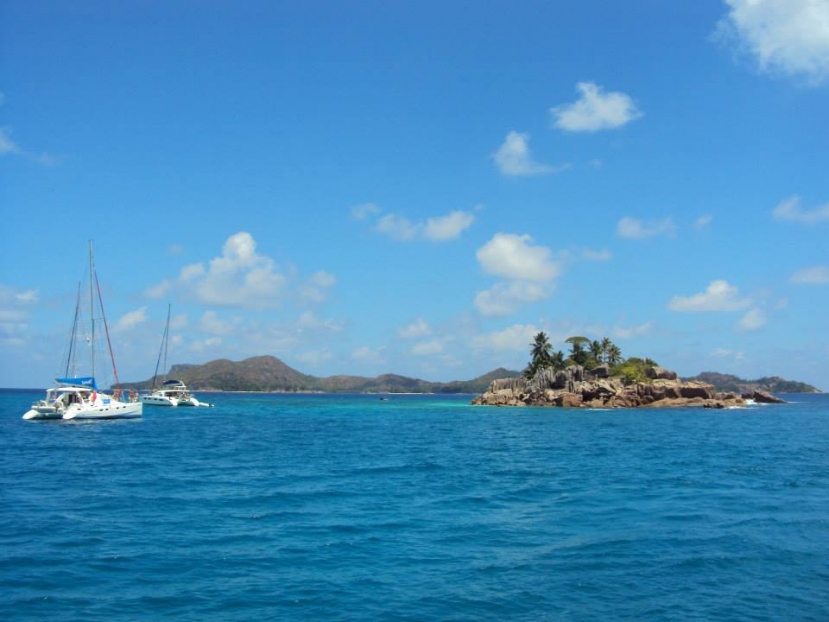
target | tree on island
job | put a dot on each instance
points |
(542, 356)
(579, 353)
(589, 354)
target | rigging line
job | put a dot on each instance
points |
(163, 349)
(106, 327)
(71, 355)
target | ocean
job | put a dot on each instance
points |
(421, 507)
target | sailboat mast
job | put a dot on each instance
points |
(92, 279)
(162, 350)
(70, 357)
(166, 339)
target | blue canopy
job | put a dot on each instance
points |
(82, 381)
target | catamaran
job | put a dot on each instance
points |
(78, 397)
(171, 392)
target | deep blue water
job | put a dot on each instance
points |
(417, 508)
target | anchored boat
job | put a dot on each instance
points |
(171, 393)
(78, 397)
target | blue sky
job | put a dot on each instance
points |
(418, 188)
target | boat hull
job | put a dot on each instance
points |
(154, 400)
(192, 402)
(112, 410)
(46, 412)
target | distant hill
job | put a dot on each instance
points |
(267, 373)
(773, 384)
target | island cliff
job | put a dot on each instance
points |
(595, 375)
(574, 387)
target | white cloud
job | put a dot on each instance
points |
(754, 319)
(12, 322)
(212, 324)
(592, 255)
(207, 344)
(703, 221)
(159, 290)
(448, 227)
(516, 338)
(505, 298)
(427, 348)
(595, 110)
(240, 277)
(309, 321)
(14, 314)
(315, 357)
(7, 145)
(788, 37)
(361, 212)
(131, 320)
(515, 257)
(29, 296)
(416, 329)
(396, 227)
(436, 228)
(814, 275)
(718, 296)
(316, 289)
(790, 210)
(373, 356)
(628, 332)
(635, 229)
(526, 269)
(513, 158)
(722, 353)
(191, 272)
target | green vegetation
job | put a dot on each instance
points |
(633, 369)
(589, 354)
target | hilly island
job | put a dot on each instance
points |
(270, 374)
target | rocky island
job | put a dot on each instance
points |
(596, 376)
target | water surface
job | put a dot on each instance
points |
(325, 507)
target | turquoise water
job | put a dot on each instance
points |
(417, 508)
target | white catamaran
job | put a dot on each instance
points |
(78, 397)
(171, 392)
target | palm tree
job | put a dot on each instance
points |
(541, 346)
(540, 353)
(557, 360)
(606, 345)
(578, 354)
(614, 354)
(596, 351)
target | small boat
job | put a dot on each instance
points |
(78, 397)
(172, 392)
